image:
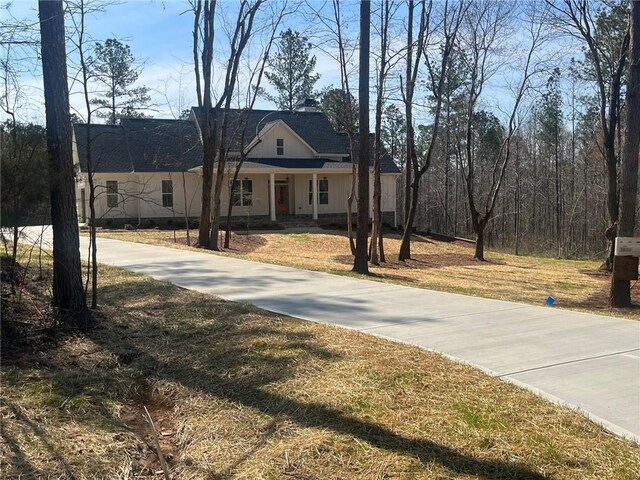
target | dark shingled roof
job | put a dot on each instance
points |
(109, 151)
(150, 145)
(313, 127)
(141, 145)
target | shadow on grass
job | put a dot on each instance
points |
(239, 372)
(41, 435)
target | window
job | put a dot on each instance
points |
(280, 146)
(167, 193)
(323, 191)
(242, 190)
(112, 193)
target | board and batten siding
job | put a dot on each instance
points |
(339, 189)
(388, 184)
(259, 198)
(140, 195)
(293, 147)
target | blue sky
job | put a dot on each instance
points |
(160, 35)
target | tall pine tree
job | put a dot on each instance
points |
(291, 71)
(115, 67)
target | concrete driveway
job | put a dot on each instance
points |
(590, 363)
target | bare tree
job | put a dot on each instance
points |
(621, 290)
(203, 28)
(68, 294)
(213, 129)
(253, 90)
(579, 18)
(342, 53)
(350, 121)
(408, 91)
(387, 11)
(437, 61)
(486, 24)
(360, 260)
(243, 31)
(78, 11)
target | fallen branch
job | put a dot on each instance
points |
(156, 440)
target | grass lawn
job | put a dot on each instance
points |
(237, 392)
(437, 265)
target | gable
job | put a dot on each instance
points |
(268, 143)
(313, 127)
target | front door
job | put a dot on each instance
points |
(282, 199)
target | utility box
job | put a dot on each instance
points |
(627, 247)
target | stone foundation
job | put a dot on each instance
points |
(244, 222)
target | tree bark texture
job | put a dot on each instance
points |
(361, 261)
(621, 290)
(208, 130)
(68, 295)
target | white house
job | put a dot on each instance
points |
(296, 167)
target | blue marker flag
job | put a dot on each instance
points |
(550, 301)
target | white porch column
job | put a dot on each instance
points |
(314, 195)
(272, 196)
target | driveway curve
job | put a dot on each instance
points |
(590, 363)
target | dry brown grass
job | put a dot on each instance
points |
(449, 267)
(237, 392)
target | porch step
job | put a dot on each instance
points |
(295, 222)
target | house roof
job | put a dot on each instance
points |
(141, 145)
(109, 151)
(312, 127)
(155, 145)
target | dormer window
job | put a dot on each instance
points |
(280, 146)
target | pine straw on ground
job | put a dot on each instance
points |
(445, 266)
(237, 392)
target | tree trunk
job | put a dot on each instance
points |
(68, 295)
(93, 240)
(236, 174)
(208, 129)
(479, 227)
(405, 245)
(360, 262)
(621, 290)
(350, 199)
(208, 154)
(14, 250)
(186, 209)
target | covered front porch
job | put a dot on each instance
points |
(291, 194)
(309, 194)
(283, 194)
